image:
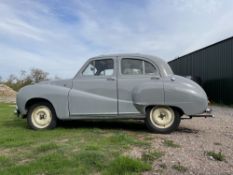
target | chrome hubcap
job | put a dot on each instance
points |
(41, 117)
(162, 117)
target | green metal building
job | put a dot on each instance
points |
(212, 68)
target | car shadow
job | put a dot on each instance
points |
(187, 130)
(129, 125)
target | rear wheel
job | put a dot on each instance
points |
(41, 116)
(162, 119)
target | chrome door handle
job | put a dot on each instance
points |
(111, 79)
(173, 79)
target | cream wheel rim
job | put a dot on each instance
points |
(41, 117)
(162, 117)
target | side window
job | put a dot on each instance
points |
(149, 68)
(131, 66)
(103, 67)
(137, 67)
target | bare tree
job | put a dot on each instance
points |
(38, 75)
(23, 73)
(12, 79)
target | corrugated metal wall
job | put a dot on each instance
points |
(213, 65)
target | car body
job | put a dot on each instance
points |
(120, 86)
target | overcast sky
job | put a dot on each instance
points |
(60, 35)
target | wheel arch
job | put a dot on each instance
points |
(33, 101)
(175, 108)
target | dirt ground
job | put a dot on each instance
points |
(7, 95)
(7, 100)
(196, 137)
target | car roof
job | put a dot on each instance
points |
(153, 58)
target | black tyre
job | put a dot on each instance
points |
(162, 119)
(41, 116)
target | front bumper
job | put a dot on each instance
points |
(17, 112)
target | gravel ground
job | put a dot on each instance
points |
(196, 137)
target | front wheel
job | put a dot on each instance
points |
(162, 119)
(41, 116)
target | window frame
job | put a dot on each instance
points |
(120, 69)
(80, 72)
(144, 68)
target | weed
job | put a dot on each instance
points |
(151, 156)
(216, 156)
(170, 143)
(179, 168)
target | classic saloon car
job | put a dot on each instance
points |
(123, 86)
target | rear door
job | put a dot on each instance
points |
(135, 72)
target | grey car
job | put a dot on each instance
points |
(121, 86)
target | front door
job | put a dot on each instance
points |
(94, 89)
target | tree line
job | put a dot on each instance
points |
(24, 78)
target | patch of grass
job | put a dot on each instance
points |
(93, 146)
(95, 160)
(170, 143)
(126, 165)
(151, 156)
(5, 162)
(125, 140)
(179, 168)
(66, 149)
(47, 147)
(216, 156)
(98, 131)
(48, 164)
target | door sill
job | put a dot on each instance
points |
(106, 116)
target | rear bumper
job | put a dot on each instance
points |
(207, 113)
